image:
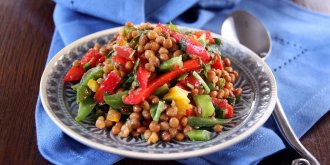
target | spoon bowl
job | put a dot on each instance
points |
(244, 28)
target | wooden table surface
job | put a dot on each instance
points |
(25, 34)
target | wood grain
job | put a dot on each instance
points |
(25, 34)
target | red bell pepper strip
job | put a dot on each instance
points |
(142, 76)
(192, 46)
(124, 52)
(208, 36)
(138, 95)
(217, 63)
(225, 106)
(74, 74)
(108, 85)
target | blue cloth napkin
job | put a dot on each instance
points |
(300, 60)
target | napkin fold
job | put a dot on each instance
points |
(300, 61)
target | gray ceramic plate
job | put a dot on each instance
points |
(257, 103)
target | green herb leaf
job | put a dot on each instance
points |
(217, 41)
(223, 81)
(206, 68)
(132, 54)
(173, 27)
(111, 52)
(202, 39)
(200, 79)
(238, 99)
(182, 44)
(213, 48)
(231, 100)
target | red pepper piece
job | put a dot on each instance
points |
(217, 63)
(225, 106)
(102, 59)
(208, 36)
(92, 56)
(189, 112)
(124, 52)
(143, 76)
(191, 80)
(119, 60)
(192, 46)
(108, 85)
(177, 36)
(138, 95)
(74, 74)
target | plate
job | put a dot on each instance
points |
(257, 103)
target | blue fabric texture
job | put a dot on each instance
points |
(300, 61)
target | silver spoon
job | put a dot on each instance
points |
(246, 29)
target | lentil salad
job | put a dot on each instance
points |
(156, 82)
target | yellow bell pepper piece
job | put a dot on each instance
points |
(93, 85)
(182, 106)
(180, 97)
(177, 93)
(113, 115)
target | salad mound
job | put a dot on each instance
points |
(156, 82)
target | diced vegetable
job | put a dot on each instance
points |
(180, 97)
(161, 90)
(191, 46)
(113, 115)
(153, 109)
(200, 79)
(82, 90)
(108, 85)
(177, 93)
(206, 122)
(125, 52)
(206, 68)
(191, 80)
(138, 95)
(210, 85)
(92, 57)
(142, 77)
(160, 108)
(173, 27)
(199, 135)
(74, 74)
(217, 63)
(213, 48)
(169, 64)
(202, 40)
(207, 35)
(93, 85)
(114, 100)
(223, 104)
(205, 103)
(217, 41)
(85, 108)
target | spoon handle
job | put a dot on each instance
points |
(290, 136)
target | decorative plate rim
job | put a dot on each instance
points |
(154, 156)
